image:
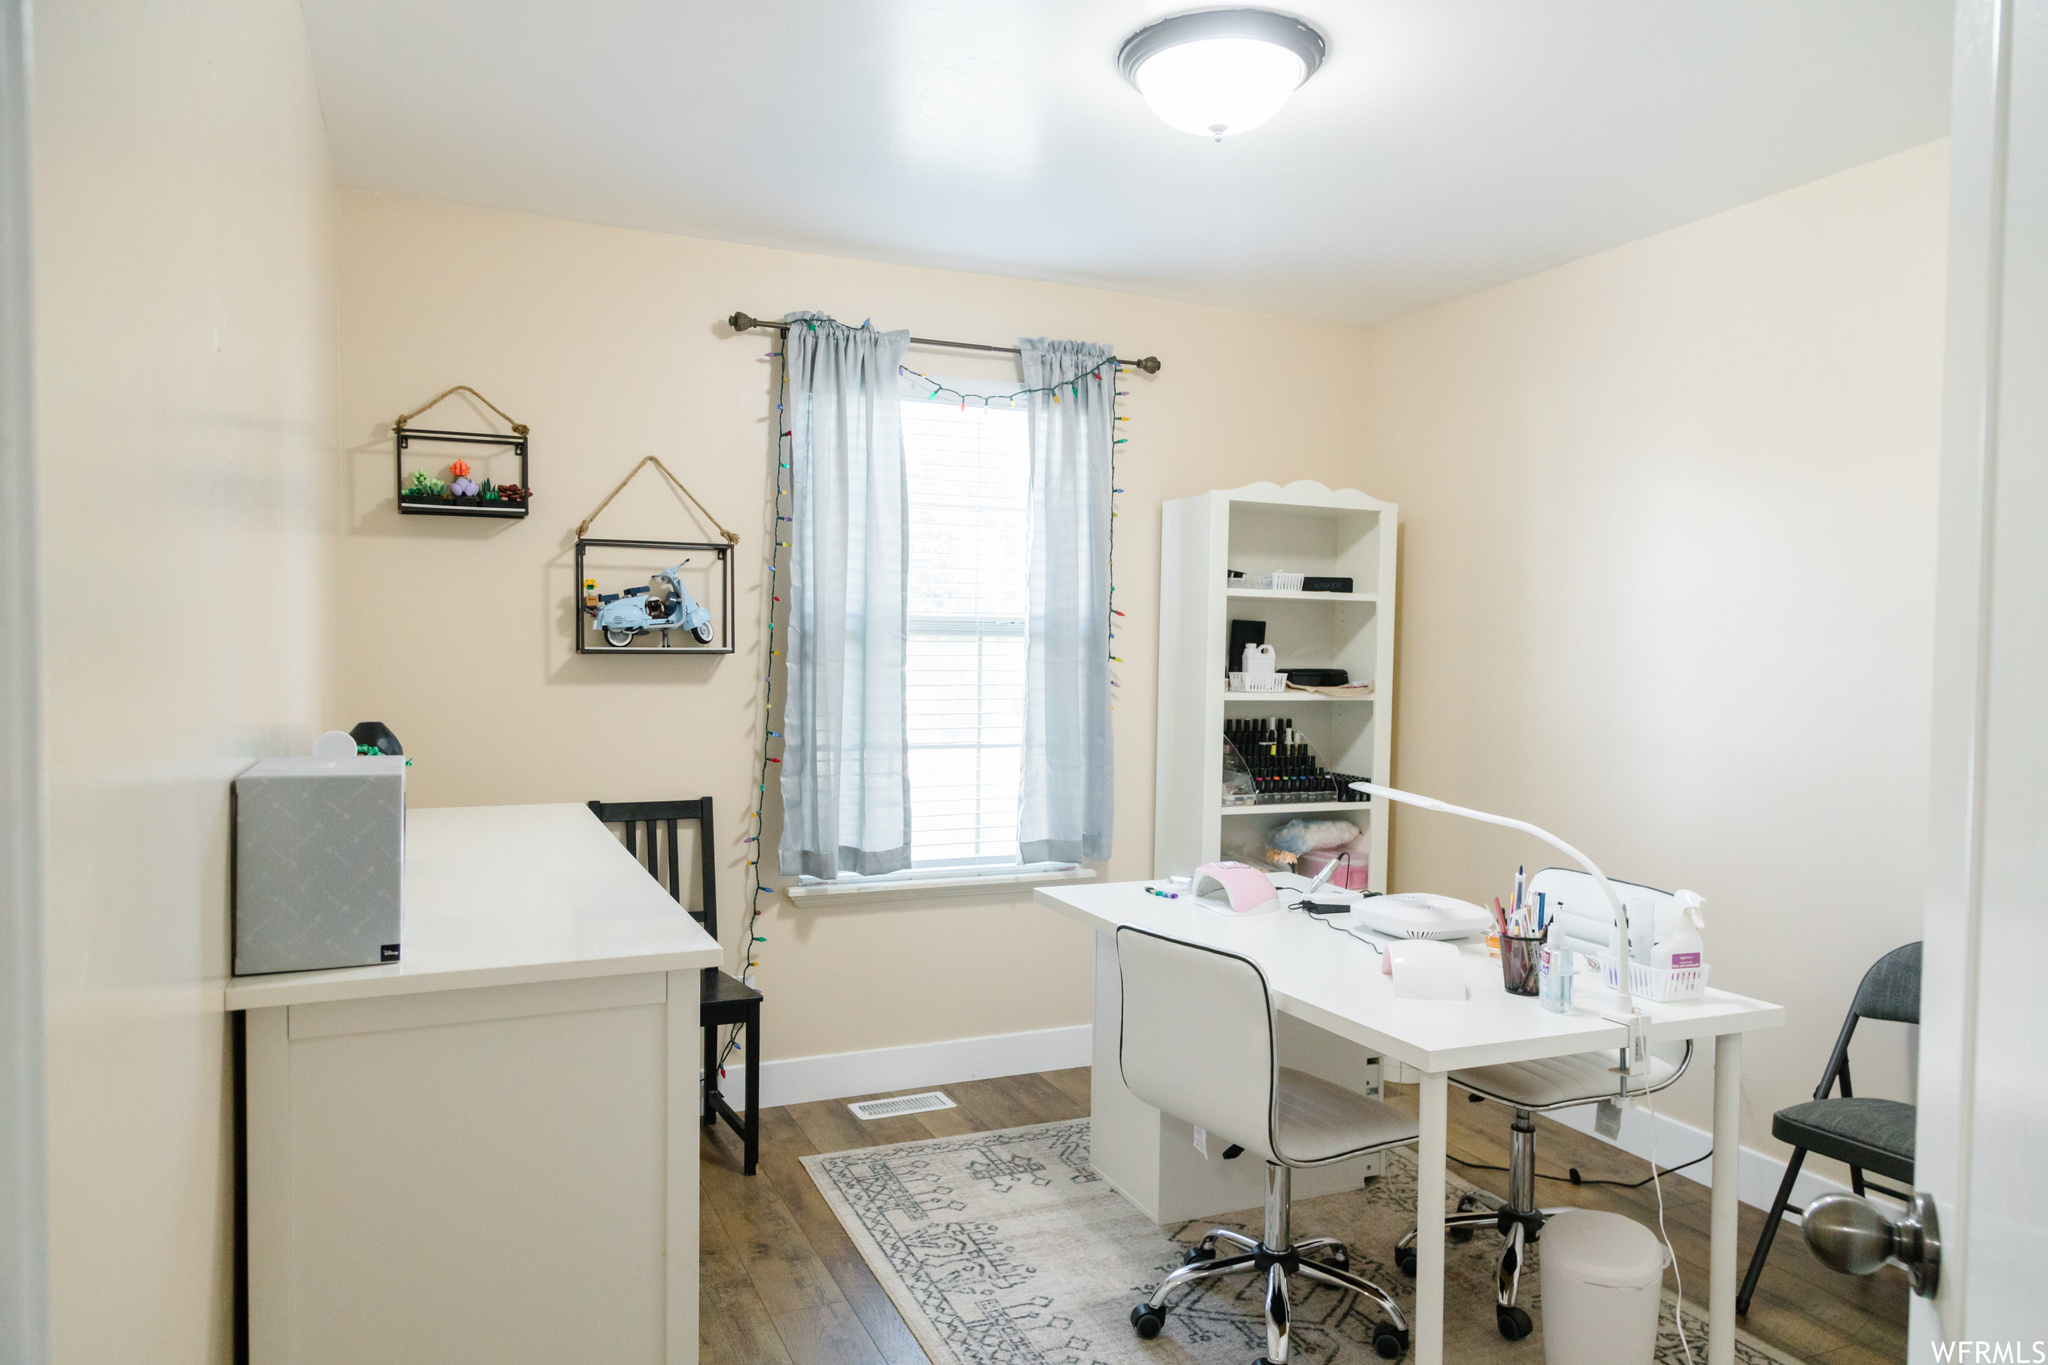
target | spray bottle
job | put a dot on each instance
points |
(1682, 946)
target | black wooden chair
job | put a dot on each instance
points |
(1865, 1133)
(726, 1000)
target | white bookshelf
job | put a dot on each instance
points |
(1302, 528)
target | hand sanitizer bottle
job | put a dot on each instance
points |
(1554, 969)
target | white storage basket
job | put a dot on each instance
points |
(1658, 983)
(1274, 582)
(1258, 682)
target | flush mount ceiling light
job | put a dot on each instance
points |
(1221, 71)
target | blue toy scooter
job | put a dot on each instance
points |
(621, 616)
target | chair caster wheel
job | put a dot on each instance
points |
(1515, 1323)
(1339, 1258)
(1390, 1342)
(1196, 1255)
(1148, 1320)
(1404, 1261)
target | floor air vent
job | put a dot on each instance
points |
(899, 1105)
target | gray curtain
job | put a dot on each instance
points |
(1064, 805)
(845, 760)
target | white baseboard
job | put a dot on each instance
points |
(837, 1075)
(1758, 1175)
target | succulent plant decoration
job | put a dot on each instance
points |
(459, 471)
(463, 487)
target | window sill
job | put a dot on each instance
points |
(919, 887)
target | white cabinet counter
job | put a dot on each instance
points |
(486, 1151)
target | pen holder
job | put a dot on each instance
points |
(1518, 964)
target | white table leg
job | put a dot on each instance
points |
(1429, 1221)
(1727, 1183)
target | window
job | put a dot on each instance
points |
(969, 476)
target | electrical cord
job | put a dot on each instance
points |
(1678, 1278)
(1324, 920)
(1572, 1177)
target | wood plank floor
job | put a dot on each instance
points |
(782, 1282)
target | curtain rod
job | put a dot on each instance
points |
(740, 322)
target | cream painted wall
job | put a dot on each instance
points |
(1666, 579)
(185, 291)
(608, 344)
(1667, 585)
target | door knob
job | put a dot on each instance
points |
(1854, 1236)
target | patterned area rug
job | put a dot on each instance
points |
(1005, 1248)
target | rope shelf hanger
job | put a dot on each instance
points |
(518, 428)
(583, 529)
(460, 496)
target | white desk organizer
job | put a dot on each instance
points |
(1258, 682)
(1667, 984)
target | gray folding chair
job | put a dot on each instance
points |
(1865, 1133)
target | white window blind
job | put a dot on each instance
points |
(969, 473)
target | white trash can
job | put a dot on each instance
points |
(1603, 1279)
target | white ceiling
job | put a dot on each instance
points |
(1445, 146)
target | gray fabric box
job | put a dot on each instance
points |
(319, 863)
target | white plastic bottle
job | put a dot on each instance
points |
(1682, 947)
(1554, 967)
(1642, 928)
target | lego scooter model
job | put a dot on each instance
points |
(663, 605)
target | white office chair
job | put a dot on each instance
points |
(1199, 1043)
(1539, 1087)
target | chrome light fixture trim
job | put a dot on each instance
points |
(1262, 25)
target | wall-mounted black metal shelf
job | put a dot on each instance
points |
(425, 496)
(474, 505)
(644, 633)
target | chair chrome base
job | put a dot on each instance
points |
(1516, 1219)
(1276, 1256)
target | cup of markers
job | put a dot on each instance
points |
(1519, 963)
(1519, 933)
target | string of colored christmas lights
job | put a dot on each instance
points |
(785, 454)
(1072, 385)
(1115, 419)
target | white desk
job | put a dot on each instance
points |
(1330, 982)
(486, 1151)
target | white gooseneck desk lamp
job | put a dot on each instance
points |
(1635, 1054)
